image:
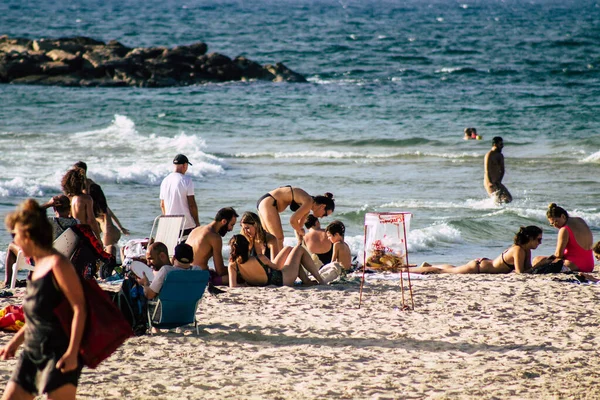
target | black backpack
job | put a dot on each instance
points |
(134, 305)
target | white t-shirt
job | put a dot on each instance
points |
(161, 274)
(174, 190)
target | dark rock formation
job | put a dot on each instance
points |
(81, 61)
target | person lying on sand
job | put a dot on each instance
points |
(516, 258)
(260, 271)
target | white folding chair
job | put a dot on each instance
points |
(168, 230)
(65, 244)
(21, 263)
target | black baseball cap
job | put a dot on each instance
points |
(181, 159)
(184, 253)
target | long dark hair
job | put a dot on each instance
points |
(238, 252)
(251, 218)
(555, 211)
(526, 233)
(326, 199)
(32, 219)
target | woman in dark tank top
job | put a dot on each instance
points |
(49, 362)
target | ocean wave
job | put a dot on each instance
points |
(418, 240)
(456, 70)
(24, 187)
(475, 204)
(411, 59)
(354, 155)
(592, 158)
(117, 153)
(460, 52)
(121, 140)
(569, 43)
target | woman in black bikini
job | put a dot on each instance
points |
(260, 271)
(301, 203)
(49, 362)
(516, 258)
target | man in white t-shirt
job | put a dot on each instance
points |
(177, 195)
(158, 257)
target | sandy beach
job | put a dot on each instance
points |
(471, 337)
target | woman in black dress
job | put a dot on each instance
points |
(49, 362)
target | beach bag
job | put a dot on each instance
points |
(554, 267)
(105, 329)
(330, 272)
(133, 305)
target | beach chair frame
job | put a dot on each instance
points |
(167, 229)
(178, 300)
(65, 244)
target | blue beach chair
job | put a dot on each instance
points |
(178, 300)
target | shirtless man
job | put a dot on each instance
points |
(207, 242)
(82, 205)
(494, 172)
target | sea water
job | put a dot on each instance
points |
(392, 85)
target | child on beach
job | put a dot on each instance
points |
(341, 251)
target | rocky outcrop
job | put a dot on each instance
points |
(82, 61)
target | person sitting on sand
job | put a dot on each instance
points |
(341, 251)
(516, 258)
(207, 242)
(82, 205)
(316, 240)
(574, 243)
(260, 271)
(301, 203)
(261, 242)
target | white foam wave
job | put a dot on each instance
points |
(117, 153)
(479, 204)
(352, 154)
(448, 70)
(23, 187)
(592, 158)
(341, 82)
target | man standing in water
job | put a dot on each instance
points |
(494, 172)
(177, 195)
